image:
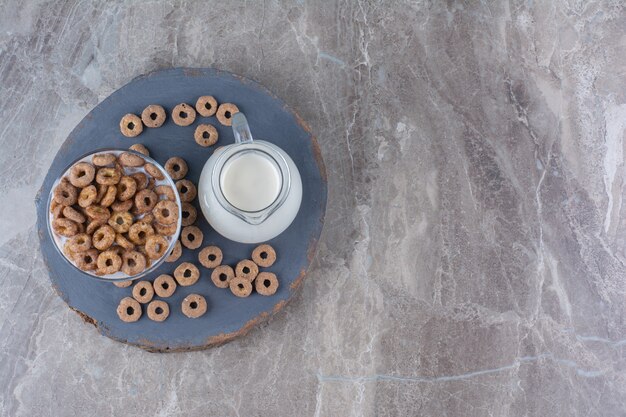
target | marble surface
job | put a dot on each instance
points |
(473, 258)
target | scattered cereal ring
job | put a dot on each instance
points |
(158, 310)
(175, 253)
(98, 213)
(191, 237)
(101, 191)
(108, 176)
(126, 188)
(93, 225)
(109, 197)
(141, 179)
(165, 230)
(188, 214)
(240, 286)
(210, 257)
(133, 262)
(123, 242)
(154, 171)
(109, 262)
(176, 167)
(128, 159)
(194, 306)
(65, 227)
(206, 106)
(264, 255)
(56, 209)
(82, 174)
(103, 237)
(222, 275)
(131, 125)
(153, 116)
(183, 114)
(145, 200)
(225, 113)
(138, 147)
(88, 260)
(186, 190)
(129, 310)
(205, 135)
(166, 212)
(73, 214)
(123, 284)
(166, 192)
(139, 232)
(122, 205)
(121, 221)
(156, 246)
(87, 196)
(103, 159)
(247, 269)
(65, 194)
(164, 286)
(143, 292)
(186, 274)
(80, 243)
(68, 252)
(266, 283)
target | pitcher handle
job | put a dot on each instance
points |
(241, 130)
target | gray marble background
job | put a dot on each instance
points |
(473, 258)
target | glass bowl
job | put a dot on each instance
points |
(59, 241)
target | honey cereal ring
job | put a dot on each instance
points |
(73, 214)
(139, 232)
(121, 240)
(145, 200)
(141, 179)
(68, 252)
(82, 174)
(121, 221)
(101, 191)
(186, 274)
(206, 106)
(175, 253)
(98, 213)
(103, 237)
(80, 242)
(129, 310)
(166, 192)
(240, 286)
(183, 114)
(266, 283)
(176, 167)
(205, 135)
(191, 237)
(123, 284)
(153, 116)
(166, 212)
(132, 160)
(87, 196)
(165, 230)
(108, 176)
(87, 261)
(122, 205)
(158, 310)
(103, 159)
(56, 209)
(131, 125)
(188, 214)
(143, 292)
(93, 225)
(126, 188)
(109, 262)
(194, 306)
(222, 275)
(164, 286)
(156, 246)
(65, 227)
(210, 257)
(225, 113)
(264, 255)
(138, 147)
(154, 171)
(246, 269)
(65, 194)
(186, 190)
(109, 196)
(133, 262)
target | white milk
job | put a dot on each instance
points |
(250, 181)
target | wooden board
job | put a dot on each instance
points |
(228, 316)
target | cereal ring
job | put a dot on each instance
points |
(109, 262)
(138, 147)
(128, 159)
(68, 252)
(122, 205)
(205, 135)
(133, 262)
(65, 227)
(126, 188)
(264, 255)
(82, 174)
(225, 113)
(189, 214)
(210, 257)
(93, 225)
(147, 218)
(206, 106)
(131, 125)
(141, 179)
(87, 196)
(139, 232)
(101, 190)
(191, 237)
(247, 269)
(56, 209)
(175, 253)
(151, 184)
(108, 176)
(143, 292)
(103, 159)
(165, 230)
(164, 286)
(222, 275)
(186, 190)
(176, 167)
(154, 171)
(166, 212)
(266, 283)
(73, 214)
(129, 310)
(123, 242)
(186, 274)
(145, 200)
(80, 243)
(194, 306)
(158, 310)
(165, 191)
(121, 221)
(103, 238)
(109, 196)
(183, 114)
(123, 284)
(98, 213)
(240, 286)
(87, 261)
(153, 116)
(65, 194)
(156, 246)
